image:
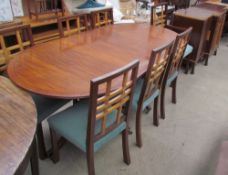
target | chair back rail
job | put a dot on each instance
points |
(181, 42)
(159, 14)
(155, 72)
(114, 100)
(73, 24)
(23, 38)
(102, 17)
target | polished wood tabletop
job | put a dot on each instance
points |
(64, 67)
(17, 126)
(196, 12)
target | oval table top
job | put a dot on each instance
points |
(63, 68)
(17, 126)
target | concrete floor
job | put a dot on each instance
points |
(186, 143)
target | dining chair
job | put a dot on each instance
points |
(72, 24)
(173, 67)
(187, 56)
(21, 37)
(101, 17)
(159, 18)
(95, 121)
(13, 40)
(45, 107)
(148, 88)
(159, 14)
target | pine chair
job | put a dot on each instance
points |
(73, 24)
(159, 14)
(101, 17)
(174, 65)
(148, 89)
(92, 123)
(13, 40)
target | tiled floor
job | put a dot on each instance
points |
(186, 143)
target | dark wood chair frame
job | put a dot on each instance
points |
(159, 19)
(113, 99)
(174, 64)
(101, 17)
(23, 34)
(81, 23)
(153, 80)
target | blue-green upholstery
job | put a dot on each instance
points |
(72, 125)
(171, 78)
(46, 106)
(188, 50)
(137, 93)
(90, 4)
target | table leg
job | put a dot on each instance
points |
(34, 159)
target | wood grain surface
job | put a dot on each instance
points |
(63, 68)
(17, 126)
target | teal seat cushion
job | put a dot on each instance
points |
(72, 125)
(188, 50)
(137, 94)
(171, 78)
(46, 106)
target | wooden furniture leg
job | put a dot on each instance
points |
(174, 87)
(41, 144)
(155, 116)
(138, 128)
(125, 145)
(34, 159)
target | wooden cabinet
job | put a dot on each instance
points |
(207, 21)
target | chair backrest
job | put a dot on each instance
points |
(19, 36)
(181, 42)
(117, 91)
(155, 72)
(101, 17)
(72, 24)
(159, 14)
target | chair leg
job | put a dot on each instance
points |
(125, 145)
(90, 162)
(206, 60)
(162, 102)
(34, 159)
(174, 88)
(187, 67)
(215, 52)
(138, 128)
(40, 140)
(193, 68)
(55, 147)
(155, 115)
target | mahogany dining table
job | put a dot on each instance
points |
(63, 68)
(17, 130)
